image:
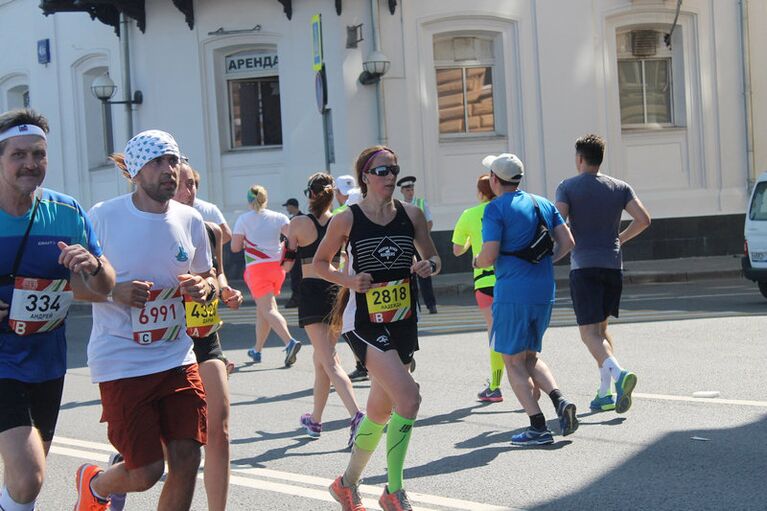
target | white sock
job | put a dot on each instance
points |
(613, 366)
(8, 504)
(604, 381)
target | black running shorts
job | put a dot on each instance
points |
(315, 302)
(30, 404)
(596, 294)
(208, 348)
(401, 336)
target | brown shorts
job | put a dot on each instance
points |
(144, 412)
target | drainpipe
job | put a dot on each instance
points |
(125, 64)
(380, 104)
(747, 94)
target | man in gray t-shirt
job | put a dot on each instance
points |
(594, 203)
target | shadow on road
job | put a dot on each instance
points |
(679, 472)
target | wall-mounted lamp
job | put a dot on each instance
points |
(104, 88)
(375, 66)
(353, 35)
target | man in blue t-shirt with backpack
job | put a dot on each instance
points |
(514, 225)
(594, 203)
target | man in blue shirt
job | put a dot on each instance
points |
(595, 202)
(524, 293)
(49, 253)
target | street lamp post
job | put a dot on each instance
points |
(104, 88)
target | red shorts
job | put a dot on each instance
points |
(264, 278)
(144, 412)
(484, 300)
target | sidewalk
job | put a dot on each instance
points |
(634, 272)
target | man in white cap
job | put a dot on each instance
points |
(347, 192)
(516, 237)
(139, 352)
(49, 251)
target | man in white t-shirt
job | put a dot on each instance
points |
(209, 211)
(139, 351)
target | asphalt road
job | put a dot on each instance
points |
(670, 451)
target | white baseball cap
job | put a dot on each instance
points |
(507, 166)
(346, 184)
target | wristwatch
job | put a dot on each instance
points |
(433, 266)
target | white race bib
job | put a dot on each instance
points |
(39, 305)
(161, 319)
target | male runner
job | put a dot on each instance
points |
(139, 351)
(43, 235)
(524, 292)
(594, 203)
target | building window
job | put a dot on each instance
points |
(465, 68)
(645, 79)
(254, 99)
(18, 97)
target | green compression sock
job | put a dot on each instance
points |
(397, 440)
(366, 441)
(496, 369)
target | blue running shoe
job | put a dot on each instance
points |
(532, 436)
(291, 350)
(117, 499)
(624, 386)
(602, 404)
(568, 421)
(255, 355)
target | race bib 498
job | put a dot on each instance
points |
(161, 319)
(389, 301)
(39, 305)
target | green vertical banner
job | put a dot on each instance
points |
(317, 58)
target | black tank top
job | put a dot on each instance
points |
(212, 238)
(309, 250)
(385, 252)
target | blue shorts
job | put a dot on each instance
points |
(519, 327)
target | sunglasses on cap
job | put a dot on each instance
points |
(384, 170)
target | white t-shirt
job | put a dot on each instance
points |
(209, 211)
(155, 247)
(262, 235)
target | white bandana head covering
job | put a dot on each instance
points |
(147, 146)
(22, 129)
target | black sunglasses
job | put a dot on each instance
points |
(307, 192)
(384, 170)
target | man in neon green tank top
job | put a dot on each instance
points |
(407, 188)
(468, 233)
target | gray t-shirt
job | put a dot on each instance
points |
(595, 203)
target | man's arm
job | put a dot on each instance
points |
(640, 221)
(488, 254)
(563, 208)
(563, 242)
(226, 233)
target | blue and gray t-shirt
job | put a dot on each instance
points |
(595, 203)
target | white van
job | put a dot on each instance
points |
(755, 259)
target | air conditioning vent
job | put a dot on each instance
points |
(644, 43)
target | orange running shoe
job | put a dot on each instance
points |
(396, 501)
(86, 500)
(347, 496)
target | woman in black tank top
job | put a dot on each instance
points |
(317, 297)
(379, 320)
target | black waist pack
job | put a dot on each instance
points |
(542, 244)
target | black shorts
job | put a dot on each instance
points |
(30, 404)
(596, 294)
(208, 348)
(316, 301)
(401, 336)
(488, 291)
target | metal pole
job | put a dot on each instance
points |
(747, 99)
(125, 64)
(380, 103)
(108, 137)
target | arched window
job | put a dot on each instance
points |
(465, 68)
(18, 97)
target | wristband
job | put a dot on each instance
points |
(99, 266)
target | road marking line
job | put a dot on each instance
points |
(258, 474)
(690, 399)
